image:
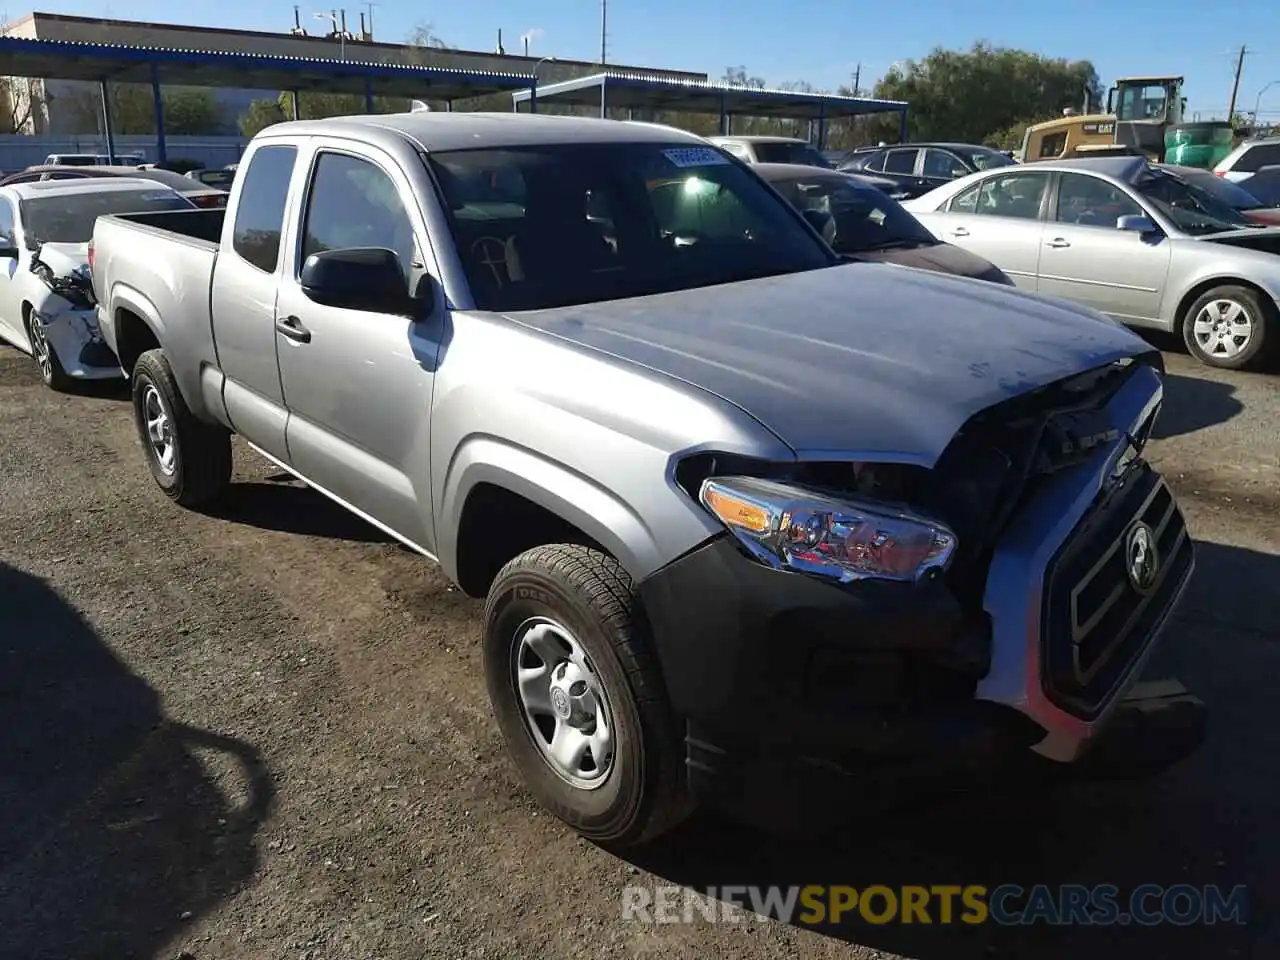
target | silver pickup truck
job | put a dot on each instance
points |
(756, 526)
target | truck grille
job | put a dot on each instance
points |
(1096, 620)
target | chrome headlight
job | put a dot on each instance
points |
(792, 528)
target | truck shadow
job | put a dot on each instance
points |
(288, 506)
(115, 833)
(1192, 404)
(1208, 821)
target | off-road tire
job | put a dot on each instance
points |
(591, 594)
(202, 460)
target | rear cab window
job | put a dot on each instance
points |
(260, 209)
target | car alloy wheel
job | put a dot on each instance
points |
(1223, 329)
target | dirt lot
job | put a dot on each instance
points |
(264, 735)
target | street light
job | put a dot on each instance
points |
(1258, 102)
(533, 91)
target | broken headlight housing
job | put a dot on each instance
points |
(791, 527)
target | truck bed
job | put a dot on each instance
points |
(202, 225)
(159, 266)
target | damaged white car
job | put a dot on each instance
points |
(47, 304)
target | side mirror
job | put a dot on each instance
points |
(359, 278)
(8, 249)
(1136, 224)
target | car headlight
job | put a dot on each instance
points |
(792, 528)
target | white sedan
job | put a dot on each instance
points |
(47, 305)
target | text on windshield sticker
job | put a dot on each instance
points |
(695, 157)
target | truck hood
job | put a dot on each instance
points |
(64, 259)
(862, 360)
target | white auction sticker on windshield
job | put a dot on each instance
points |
(695, 157)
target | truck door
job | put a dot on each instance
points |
(246, 278)
(358, 384)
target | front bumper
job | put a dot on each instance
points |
(791, 686)
(75, 337)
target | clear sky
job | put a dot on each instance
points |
(821, 41)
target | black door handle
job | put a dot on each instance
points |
(292, 328)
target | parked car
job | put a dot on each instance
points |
(860, 222)
(94, 160)
(1235, 194)
(921, 167)
(724, 494)
(1248, 158)
(219, 179)
(200, 194)
(772, 150)
(1265, 185)
(1128, 239)
(47, 305)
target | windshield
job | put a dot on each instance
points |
(540, 227)
(802, 153)
(1232, 194)
(1194, 210)
(988, 159)
(862, 217)
(70, 218)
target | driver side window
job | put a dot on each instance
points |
(354, 203)
(1090, 202)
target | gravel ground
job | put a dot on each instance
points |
(263, 734)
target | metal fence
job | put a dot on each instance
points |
(18, 152)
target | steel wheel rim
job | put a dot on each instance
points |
(164, 447)
(1223, 328)
(563, 702)
(40, 349)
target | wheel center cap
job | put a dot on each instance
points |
(560, 703)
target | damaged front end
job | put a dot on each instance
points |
(1017, 632)
(68, 319)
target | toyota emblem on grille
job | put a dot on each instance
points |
(1142, 561)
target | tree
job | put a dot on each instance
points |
(188, 111)
(21, 102)
(982, 93)
(313, 106)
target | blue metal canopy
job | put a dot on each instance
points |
(119, 63)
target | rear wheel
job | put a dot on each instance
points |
(1231, 327)
(578, 695)
(189, 459)
(45, 356)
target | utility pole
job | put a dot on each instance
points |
(857, 80)
(604, 32)
(1235, 87)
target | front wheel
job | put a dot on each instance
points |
(1231, 327)
(46, 358)
(579, 698)
(189, 459)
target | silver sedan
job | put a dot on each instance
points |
(1135, 242)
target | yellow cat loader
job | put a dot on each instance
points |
(1144, 115)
